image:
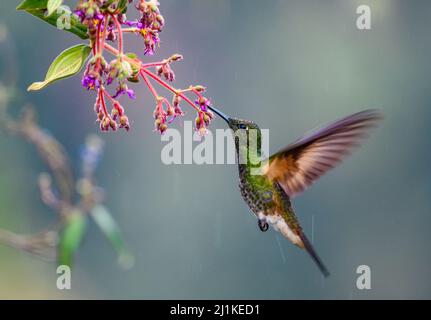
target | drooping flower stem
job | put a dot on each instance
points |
(102, 39)
(170, 88)
(120, 35)
(102, 102)
(150, 86)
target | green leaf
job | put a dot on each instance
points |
(111, 230)
(53, 5)
(107, 4)
(64, 20)
(71, 238)
(75, 27)
(67, 64)
(122, 6)
(32, 5)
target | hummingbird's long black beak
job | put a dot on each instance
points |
(219, 113)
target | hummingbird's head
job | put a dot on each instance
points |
(240, 124)
(246, 133)
(247, 136)
(236, 124)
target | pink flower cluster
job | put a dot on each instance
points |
(107, 23)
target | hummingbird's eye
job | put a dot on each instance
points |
(242, 126)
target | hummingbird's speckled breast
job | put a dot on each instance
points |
(258, 198)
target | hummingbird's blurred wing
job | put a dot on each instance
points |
(300, 164)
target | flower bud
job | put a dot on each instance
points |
(90, 13)
(170, 111)
(207, 119)
(114, 114)
(176, 57)
(124, 123)
(162, 128)
(198, 122)
(124, 120)
(178, 111)
(105, 124)
(200, 88)
(176, 100)
(156, 25)
(159, 70)
(202, 101)
(118, 106)
(113, 125)
(160, 19)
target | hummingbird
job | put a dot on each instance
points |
(287, 173)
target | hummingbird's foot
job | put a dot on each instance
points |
(263, 225)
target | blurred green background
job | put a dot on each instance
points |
(288, 65)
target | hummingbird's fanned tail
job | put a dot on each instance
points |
(309, 248)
